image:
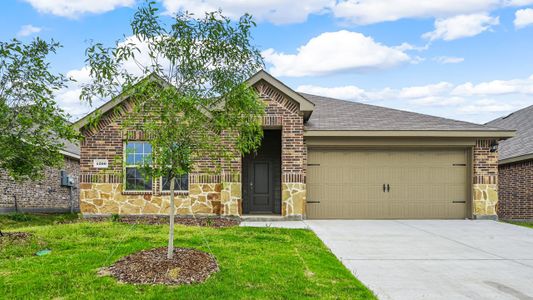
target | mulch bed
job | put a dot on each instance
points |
(215, 222)
(11, 237)
(152, 267)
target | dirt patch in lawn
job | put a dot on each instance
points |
(215, 222)
(152, 267)
(14, 237)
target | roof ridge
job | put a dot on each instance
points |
(399, 110)
(510, 114)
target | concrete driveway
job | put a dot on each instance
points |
(452, 259)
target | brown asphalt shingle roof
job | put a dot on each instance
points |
(335, 114)
(522, 143)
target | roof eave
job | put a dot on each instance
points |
(109, 105)
(516, 159)
(503, 134)
(70, 154)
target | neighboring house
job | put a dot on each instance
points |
(320, 158)
(47, 195)
(516, 166)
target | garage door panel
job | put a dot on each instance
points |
(423, 184)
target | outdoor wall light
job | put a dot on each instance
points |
(494, 147)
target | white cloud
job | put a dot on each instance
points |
(461, 26)
(487, 106)
(349, 92)
(480, 102)
(496, 87)
(27, 30)
(355, 11)
(409, 47)
(274, 11)
(332, 52)
(68, 98)
(448, 59)
(437, 101)
(75, 8)
(431, 94)
(375, 11)
(425, 90)
(523, 18)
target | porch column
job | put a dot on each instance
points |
(485, 180)
(293, 167)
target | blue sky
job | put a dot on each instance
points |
(464, 59)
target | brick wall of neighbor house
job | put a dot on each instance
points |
(516, 191)
(485, 180)
(46, 195)
(101, 190)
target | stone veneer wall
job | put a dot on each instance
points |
(485, 180)
(108, 198)
(45, 195)
(101, 192)
(516, 191)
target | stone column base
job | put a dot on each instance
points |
(485, 201)
(293, 199)
(486, 217)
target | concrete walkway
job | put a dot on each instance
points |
(449, 259)
(276, 224)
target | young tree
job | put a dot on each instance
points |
(187, 85)
(32, 126)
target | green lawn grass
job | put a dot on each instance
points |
(525, 224)
(12, 221)
(255, 263)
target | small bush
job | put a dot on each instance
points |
(115, 217)
(20, 217)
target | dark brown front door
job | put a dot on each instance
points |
(260, 187)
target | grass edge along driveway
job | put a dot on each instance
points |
(255, 263)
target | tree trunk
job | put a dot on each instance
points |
(170, 252)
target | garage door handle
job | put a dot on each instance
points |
(384, 188)
(388, 188)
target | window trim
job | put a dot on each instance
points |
(125, 191)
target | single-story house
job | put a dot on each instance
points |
(516, 166)
(320, 158)
(51, 194)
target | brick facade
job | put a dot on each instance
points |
(46, 195)
(516, 191)
(101, 190)
(485, 179)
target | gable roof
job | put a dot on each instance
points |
(348, 116)
(306, 106)
(519, 147)
(109, 105)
